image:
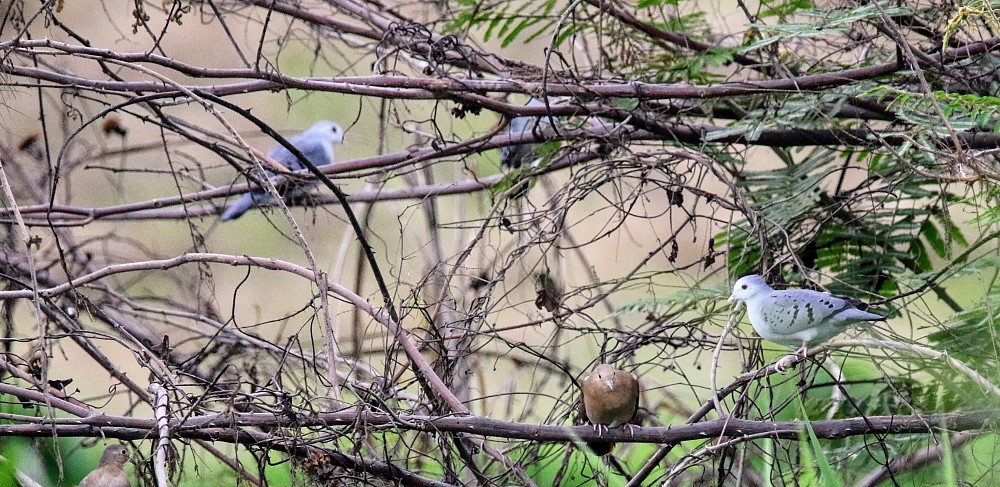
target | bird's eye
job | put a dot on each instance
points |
(743, 286)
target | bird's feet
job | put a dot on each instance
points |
(787, 360)
(631, 428)
(781, 365)
(600, 429)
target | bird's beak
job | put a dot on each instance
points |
(610, 384)
(731, 299)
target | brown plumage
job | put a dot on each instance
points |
(110, 471)
(610, 400)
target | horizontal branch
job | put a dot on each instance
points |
(62, 215)
(254, 439)
(411, 87)
(152, 209)
(226, 427)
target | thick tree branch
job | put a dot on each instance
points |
(227, 427)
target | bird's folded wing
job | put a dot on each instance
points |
(313, 148)
(792, 311)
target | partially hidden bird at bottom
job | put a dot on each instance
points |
(110, 471)
(797, 317)
(610, 400)
(316, 144)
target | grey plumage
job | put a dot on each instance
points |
(110, 471)
(316, 144)
(514, 156)
(797, 316)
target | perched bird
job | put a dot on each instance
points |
(610, 400)
(514, 156)
(316, 144)
(110, 471)
(797, 317)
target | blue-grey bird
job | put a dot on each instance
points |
(797, 317)
(514, 156)
(316, 144)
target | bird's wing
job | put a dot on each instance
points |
(792, 311)
(635, 391)
(521, 125)
(513, 156)
(316, 149)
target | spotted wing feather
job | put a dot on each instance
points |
(793, 311)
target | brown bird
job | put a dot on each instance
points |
(110, 471)
(610, 400)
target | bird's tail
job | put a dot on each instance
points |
(600, 448)
(855, 315)
(857, 310)
(237, 209)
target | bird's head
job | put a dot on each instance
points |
(328, 130)
(606, 375)
(747, 287)
(115, 455)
